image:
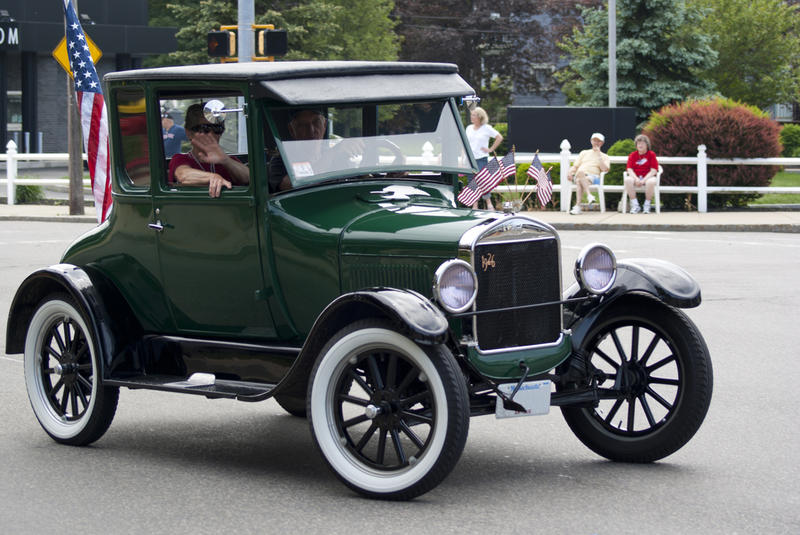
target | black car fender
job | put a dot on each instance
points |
(106, 312)
(411, 313)
(647, 279)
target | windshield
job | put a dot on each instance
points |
(397, 139)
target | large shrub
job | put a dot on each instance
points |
(790, 139)
(728, 129)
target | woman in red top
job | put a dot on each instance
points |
(642, 171)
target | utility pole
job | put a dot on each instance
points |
(74, 146)
(245, 40)
(612, 53)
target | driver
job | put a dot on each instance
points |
(305, 125)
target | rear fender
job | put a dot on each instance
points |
(411, 314)
(111, 321)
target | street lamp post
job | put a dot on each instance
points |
(612, 53)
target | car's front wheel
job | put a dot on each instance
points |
(389, 416)
(62, 374)
(655, 363)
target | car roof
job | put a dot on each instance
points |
(316, 82)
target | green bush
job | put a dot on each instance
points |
(728, 129)
(790, 139)
(29, 194)
(505, 146)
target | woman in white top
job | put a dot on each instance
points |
(479, 133)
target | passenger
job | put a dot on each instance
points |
(642, 171)
(586, 171)
(206, 163)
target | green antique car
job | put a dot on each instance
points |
(343, 280)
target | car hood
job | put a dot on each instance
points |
(408, 221)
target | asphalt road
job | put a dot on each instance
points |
(179, 464)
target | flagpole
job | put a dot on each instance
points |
(74, 145)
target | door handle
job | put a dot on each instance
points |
(157, 226)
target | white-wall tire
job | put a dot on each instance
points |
(62, 374)
(369, 362)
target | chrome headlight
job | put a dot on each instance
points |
(455, 286)
(596, 268)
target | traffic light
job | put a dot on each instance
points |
(222, 44)
(270, 42)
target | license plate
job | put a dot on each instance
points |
(534, 396)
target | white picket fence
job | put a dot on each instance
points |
(11, 157)
(565, 157)
(702, 161)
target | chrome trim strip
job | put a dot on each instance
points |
(559, 340)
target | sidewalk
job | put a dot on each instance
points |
(741, 221)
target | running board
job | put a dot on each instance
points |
(202, 384)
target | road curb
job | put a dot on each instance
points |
(750, 227)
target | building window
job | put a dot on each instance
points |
(14, 119)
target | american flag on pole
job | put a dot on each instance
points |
(470, 194)
(489, 176)
(92, 111)
(544, 187)
(508, 166)
(475, 188)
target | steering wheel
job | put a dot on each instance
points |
(373, 150)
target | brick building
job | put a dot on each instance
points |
(33, 86)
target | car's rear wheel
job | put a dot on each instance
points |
(390, 416)
(62, 374)
(654, 357)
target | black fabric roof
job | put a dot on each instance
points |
(310, 82)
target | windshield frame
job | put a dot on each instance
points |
(414, 170)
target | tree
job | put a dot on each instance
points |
(502, 47)
(322, 29)
(757, 42)
(661, 54)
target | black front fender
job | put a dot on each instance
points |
(664, 280)
(411, 314)
(646, 279)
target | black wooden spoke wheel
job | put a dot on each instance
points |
(62, 374)
(656, 364)
(389, 416)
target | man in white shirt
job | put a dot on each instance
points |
(586, 170)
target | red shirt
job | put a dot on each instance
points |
(186, 159)
(642, 163)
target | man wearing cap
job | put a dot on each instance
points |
(206, 164)
(586, 170)
(172, 133)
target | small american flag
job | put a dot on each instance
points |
(477, 184)
(544, 187)
(507, 165)
(470, 194)
(489, 176)
(92, 111)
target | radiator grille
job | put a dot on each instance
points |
(516, 274)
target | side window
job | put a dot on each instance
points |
(133, 136)
(183, 118)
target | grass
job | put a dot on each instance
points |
(784, 179)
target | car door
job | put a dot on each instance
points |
(208, 250)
